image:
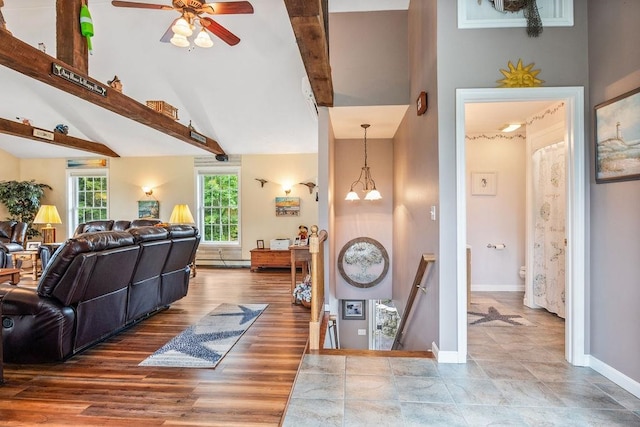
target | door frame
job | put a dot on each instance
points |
(576, 189)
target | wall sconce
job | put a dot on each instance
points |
(147, 190)
(286, 187)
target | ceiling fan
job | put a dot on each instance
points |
(191, 12)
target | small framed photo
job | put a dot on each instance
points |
(353, 309)
(33, 246)
(483, 183)
(260, 244)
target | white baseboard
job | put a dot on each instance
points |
(497, 288)
(616, 376)
(446, 356)
(220, 263)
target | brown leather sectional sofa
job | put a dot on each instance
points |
(94, 286)
(12, 237)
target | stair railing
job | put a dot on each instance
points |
(426, 262)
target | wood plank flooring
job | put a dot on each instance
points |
(105, 385)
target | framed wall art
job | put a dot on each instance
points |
(617, 138)
(353, 309)
(287, 206)
(363, 262)
(483, 184)
(482, 14)
(148, 209)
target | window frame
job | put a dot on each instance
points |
(72, 208)
(200, 172)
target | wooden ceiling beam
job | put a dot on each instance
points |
(71, 46)
(28, 60)
(26, 131)
(309, 21)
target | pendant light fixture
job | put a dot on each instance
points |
(184, 27)
(365, 180)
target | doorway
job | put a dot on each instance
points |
(576, 188)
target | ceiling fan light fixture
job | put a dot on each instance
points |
(182, 27)
(203, 40)
(179, 40)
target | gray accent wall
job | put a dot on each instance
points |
(469, 58)
(369, 58)
(614, 68)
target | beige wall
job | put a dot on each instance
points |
(173, 182)
(258, 203)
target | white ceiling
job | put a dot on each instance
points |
(248, 97)
(490, 117)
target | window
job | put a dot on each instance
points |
(219, 205)
(88, 196)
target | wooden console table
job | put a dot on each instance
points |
(267, 258)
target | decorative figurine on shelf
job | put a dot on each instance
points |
(303, 235)
(63, 129)
(24, 121)
(115, 83)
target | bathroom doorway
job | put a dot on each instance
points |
(572, 99)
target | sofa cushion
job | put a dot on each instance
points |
(6, 229)
(148, 233)
(65, 255)
(93, 226)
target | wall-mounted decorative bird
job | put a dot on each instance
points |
(262, 182)
(310, 185)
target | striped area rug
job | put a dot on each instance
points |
(204, 344)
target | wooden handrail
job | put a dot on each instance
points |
(316, 249)
(426, 262)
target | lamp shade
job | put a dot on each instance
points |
(181, 215)
(48, 214)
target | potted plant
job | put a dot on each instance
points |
(302, 292)
(22, 199)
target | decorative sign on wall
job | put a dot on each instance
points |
(287, 206)
(363, 262)
(60, 71)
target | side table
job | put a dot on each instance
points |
(12, 275)
(299, 255)
(27, 255)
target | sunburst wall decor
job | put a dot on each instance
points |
(520, 76)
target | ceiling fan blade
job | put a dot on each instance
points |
(166, 37)
(117, 3)
(225, 35)
(227, 8)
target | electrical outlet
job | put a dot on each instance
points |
(433, 213)
(362, 332)
(220, 253)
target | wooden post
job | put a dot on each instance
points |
(71, 46)
(314, 324)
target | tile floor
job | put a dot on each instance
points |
(515, 376)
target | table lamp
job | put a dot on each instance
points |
(48, 214)
(181, 215)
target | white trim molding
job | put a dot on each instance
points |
(616, 376)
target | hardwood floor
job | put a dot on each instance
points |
(105, 385)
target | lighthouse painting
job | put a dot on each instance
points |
(618, 138)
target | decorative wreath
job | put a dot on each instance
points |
(534, 22)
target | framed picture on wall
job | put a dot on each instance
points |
(148, 209)
(483, 14)
(260, 244)
(617, 138)
(353, 309)
(483, 183)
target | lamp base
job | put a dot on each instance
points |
(48, 235)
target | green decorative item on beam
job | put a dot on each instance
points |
(86, 25)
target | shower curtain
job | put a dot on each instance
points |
(549, 220)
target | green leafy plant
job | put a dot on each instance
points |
(22, 199)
